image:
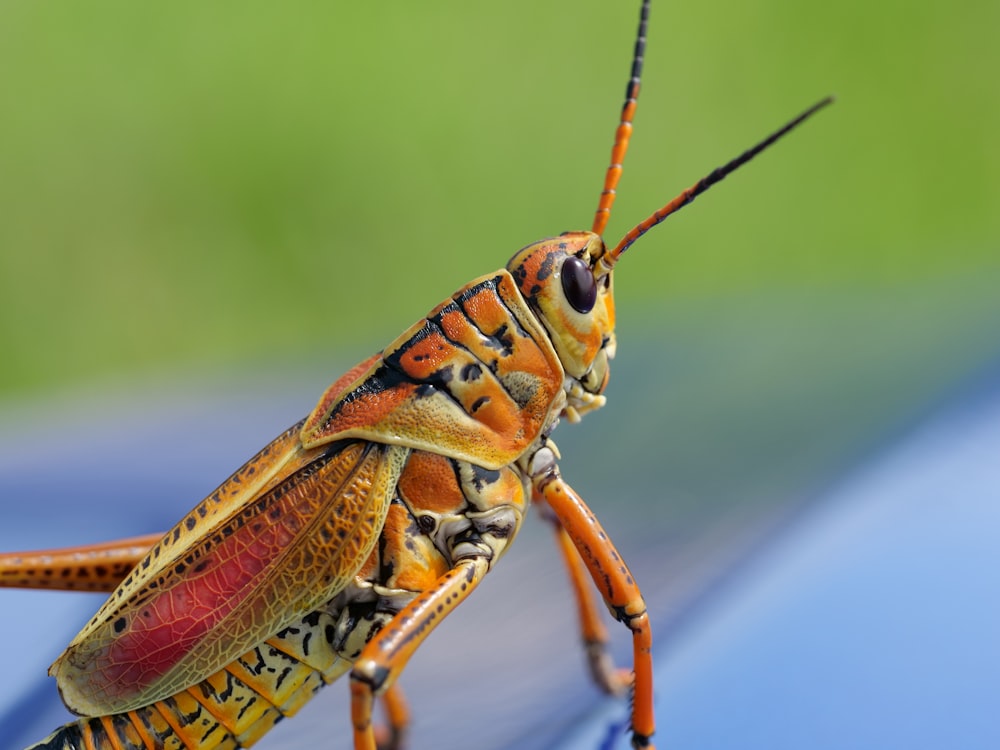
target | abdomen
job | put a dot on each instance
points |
(232, 708)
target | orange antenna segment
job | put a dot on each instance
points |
(716, 175)
(624, 130)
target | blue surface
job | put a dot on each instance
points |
(871, 621)
(874, 624)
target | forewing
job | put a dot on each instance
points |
(292, 546)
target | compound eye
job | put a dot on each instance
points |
(579, 285)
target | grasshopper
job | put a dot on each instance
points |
(340, 546)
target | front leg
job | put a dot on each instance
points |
(593, 633)
(384, 657)
(611, 576)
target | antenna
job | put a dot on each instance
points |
(716, 175)
(624, 130)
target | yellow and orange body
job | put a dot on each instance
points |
(343, 543)
(345, 540)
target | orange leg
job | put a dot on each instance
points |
(612, 578)
(92, 567)
(393, 735)
(387, 653)
(102, 566)
(611, 680)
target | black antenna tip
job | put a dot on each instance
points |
(716, 175)
(720, 173)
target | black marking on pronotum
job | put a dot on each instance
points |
(424, 390)
(443, 375)
(428, 328)
(492, 285)
(502, 340)
(489, 285)
(383, 379)
(485, 339)
(471, 372)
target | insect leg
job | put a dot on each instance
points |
(611, 576)
(93, 567)
(386, 654)
(393, 736)
(593, 632)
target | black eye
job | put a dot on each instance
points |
(579, 285)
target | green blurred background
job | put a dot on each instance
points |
(194, 197)
(226, 187)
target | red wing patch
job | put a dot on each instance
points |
(285, 552)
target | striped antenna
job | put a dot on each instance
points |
(624, 131)
(717, 175)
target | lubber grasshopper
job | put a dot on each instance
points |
(343, 543)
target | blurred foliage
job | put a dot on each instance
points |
(217, 185)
